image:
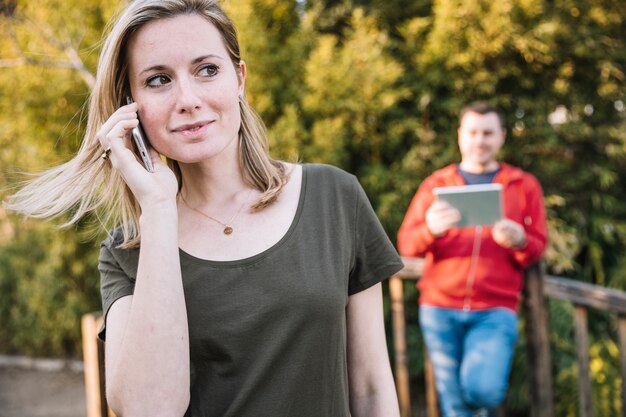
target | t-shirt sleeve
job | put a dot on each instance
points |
(376, 259)
(117, 276)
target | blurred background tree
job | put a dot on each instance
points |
(48, 278)
(372, 86)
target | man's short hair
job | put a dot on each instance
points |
(483, 108)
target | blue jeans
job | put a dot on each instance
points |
(471, 353)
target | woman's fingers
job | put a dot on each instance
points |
(119, 142)
(108, 131)
(114, 136)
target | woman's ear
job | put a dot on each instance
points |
(242, 77)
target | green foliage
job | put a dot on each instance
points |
(48, 280)
(604, 362)
(269, 33)
(349, 88)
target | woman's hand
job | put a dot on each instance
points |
(148, 188)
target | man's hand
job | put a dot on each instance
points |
(440, 217)
(509, 234)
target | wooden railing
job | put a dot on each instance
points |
(537, 287)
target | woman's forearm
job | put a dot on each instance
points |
(382, 402)
(372, 389)
(150, 375)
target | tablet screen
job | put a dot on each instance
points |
(479, 204)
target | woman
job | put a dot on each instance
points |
(235, 285)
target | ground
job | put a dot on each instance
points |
(52, 389)
(41, 393)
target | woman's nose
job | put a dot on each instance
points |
(188, 99)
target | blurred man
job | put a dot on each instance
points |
(473, 275)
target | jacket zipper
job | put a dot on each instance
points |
(473, 266)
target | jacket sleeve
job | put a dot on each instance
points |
(535, 225)
(414, 238)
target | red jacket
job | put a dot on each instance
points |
(451, 279)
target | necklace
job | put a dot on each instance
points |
(228, 228)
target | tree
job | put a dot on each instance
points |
(48, 278)
(269, 33)
(348, 101)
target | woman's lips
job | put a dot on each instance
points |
(193, 129)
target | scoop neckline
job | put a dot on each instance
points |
(267, 252)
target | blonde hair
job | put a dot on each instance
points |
(85, 184)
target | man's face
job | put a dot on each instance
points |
(480, 138)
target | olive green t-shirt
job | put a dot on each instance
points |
(268, 333)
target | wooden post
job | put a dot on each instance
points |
(582, 352)
(432, 402)
(396, 292)
(93, 358)
(621, 330)
(538, 344)
(94, 375)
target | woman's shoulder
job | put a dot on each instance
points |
(327, 184)
(114, 237)
(328, 174)
(114, 241)
(111, 252)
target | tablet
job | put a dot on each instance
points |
(479, 204)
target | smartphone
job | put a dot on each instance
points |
(141, 143)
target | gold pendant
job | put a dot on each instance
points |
(228, 230)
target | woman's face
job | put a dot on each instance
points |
(187, 88)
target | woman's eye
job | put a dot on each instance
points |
(209, 70)
(157, 81)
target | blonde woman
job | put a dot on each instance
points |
(233, 285)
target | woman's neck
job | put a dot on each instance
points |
(214, 181)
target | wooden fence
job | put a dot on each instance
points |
(537, 288)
